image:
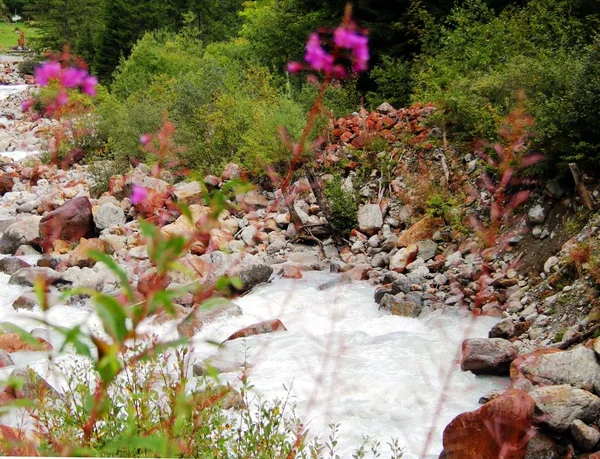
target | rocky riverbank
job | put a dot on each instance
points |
(540, 287)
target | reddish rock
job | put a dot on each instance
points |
(268, 326)
(231, 171)
(291, 272)
(70, 222)
(6, 183)
(499, 429)
(346, 136)
(12, 342)
(212, 181)
(423, 229)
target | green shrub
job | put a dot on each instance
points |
(394, 83)
(344, 207)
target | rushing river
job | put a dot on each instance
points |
(342, 359)
(20, 152)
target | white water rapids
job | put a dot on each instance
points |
(343, 359)
(22, 152)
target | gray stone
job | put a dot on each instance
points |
(558, 406)
(541, 447)
(108, 215)
(577, 367)
(23, 232)
(586, 437)
(427, 249)
(487, 356)
(537, 214)
(370, 218)
(380, 260)
(83, 277)
(5, 359)
(25, 250)
(26, 301)
(28, 276)
(252, 275)
(11, 265)
(400, 307)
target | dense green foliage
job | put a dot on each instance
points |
(217, 69)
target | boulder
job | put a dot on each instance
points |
(80, 256)
(499, 428)
(578, 367)
(70, 222)
(26, 301)
(23, 232)
(423, 229)
(200, 316)
(28, 276)
(558, 406)
(83, 277)
(25, 250)
(6, 183)
(108, 215)
(183, 226)
(5, 359)
(11, 265)
(537, 214)
(403, 257)
(370, 219)
(267, 326)
(189, 193)
(427, 249)
(13, 342)
(586, 437)
(400, 307)
(487, 356)
(34, 386)
(508, 329)
(231, 172)
(252, 275)
(541, 446)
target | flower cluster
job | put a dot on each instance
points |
(349, 52)
(67, 78)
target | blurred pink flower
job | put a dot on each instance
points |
(72, 77)
(46, 72)
(294, 67)
(138, 194)
(27, 104)
(357, 43)
(144, 139)
(316, 56)
(89, 85)
(62, 98)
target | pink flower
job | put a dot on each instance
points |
(46, 72)
(138, 194)
(344, 37)
(72, 77)
(316, 56)
(144, 139)
(294, 67)
(89, 85)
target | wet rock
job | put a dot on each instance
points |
(11, 265)
(578, 367)
(558, 406)
(34, 386)
(5, 359)
(26, 301)
(28, 276)
(423, 229)
(370, 219)
(70, 222)
(252, 275)
(470, 435)
(13, 342)
(23, 232)
(541, 446)
(586, 437)
(200, 316)
(108, 215)
(487, 356)
(267, 326)
(400, 307)
(508, 329)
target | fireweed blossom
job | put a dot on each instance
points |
(138, 194)
(67, 78)
(349, 52)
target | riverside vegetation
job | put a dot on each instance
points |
(200, 168)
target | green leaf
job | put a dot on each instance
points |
(113, 316)
(73, 336)
(108, 367)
